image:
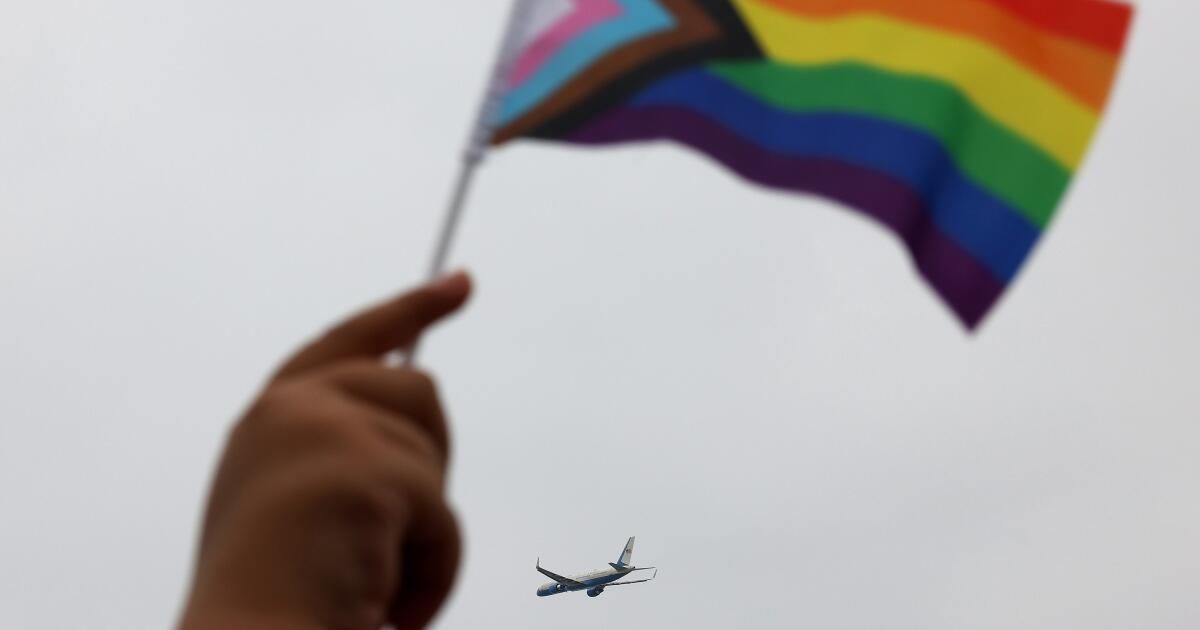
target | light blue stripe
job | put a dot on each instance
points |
(638, 19)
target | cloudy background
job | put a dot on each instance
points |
(756, 385)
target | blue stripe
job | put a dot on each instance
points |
(991, 230)
(638, 19)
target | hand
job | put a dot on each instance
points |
(328, 509)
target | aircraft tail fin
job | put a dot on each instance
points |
(627, 553)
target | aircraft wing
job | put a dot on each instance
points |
(632, 581)
(558, 578)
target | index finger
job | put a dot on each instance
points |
(375, 332)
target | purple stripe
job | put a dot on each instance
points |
(966, 285)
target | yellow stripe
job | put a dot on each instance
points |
(1008, 92)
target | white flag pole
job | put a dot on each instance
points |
(477, 144)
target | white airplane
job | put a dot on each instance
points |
(596, 581)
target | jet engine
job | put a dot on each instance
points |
(595, 592)
(547, 590)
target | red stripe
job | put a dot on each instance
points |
(1102, 23)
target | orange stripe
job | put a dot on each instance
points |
(1084, 71)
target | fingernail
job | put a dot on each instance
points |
(455, 283)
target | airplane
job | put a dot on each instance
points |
(596, 581)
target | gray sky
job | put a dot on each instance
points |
(756, 385)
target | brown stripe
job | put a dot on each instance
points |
(693, 27)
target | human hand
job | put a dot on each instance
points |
(328, 508)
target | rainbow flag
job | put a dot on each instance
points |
(957, 124)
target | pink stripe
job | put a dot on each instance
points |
(587, 14)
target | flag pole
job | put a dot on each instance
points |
(453, 217)
(477, 145)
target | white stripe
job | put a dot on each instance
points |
(540, 17)
(524, 15)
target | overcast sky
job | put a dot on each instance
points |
(757, 385)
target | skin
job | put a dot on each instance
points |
(328, 510)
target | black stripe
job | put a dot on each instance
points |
(739, 41)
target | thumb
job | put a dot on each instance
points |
(379, 330)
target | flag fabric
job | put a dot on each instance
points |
(957, 124)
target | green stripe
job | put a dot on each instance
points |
(990, 154)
